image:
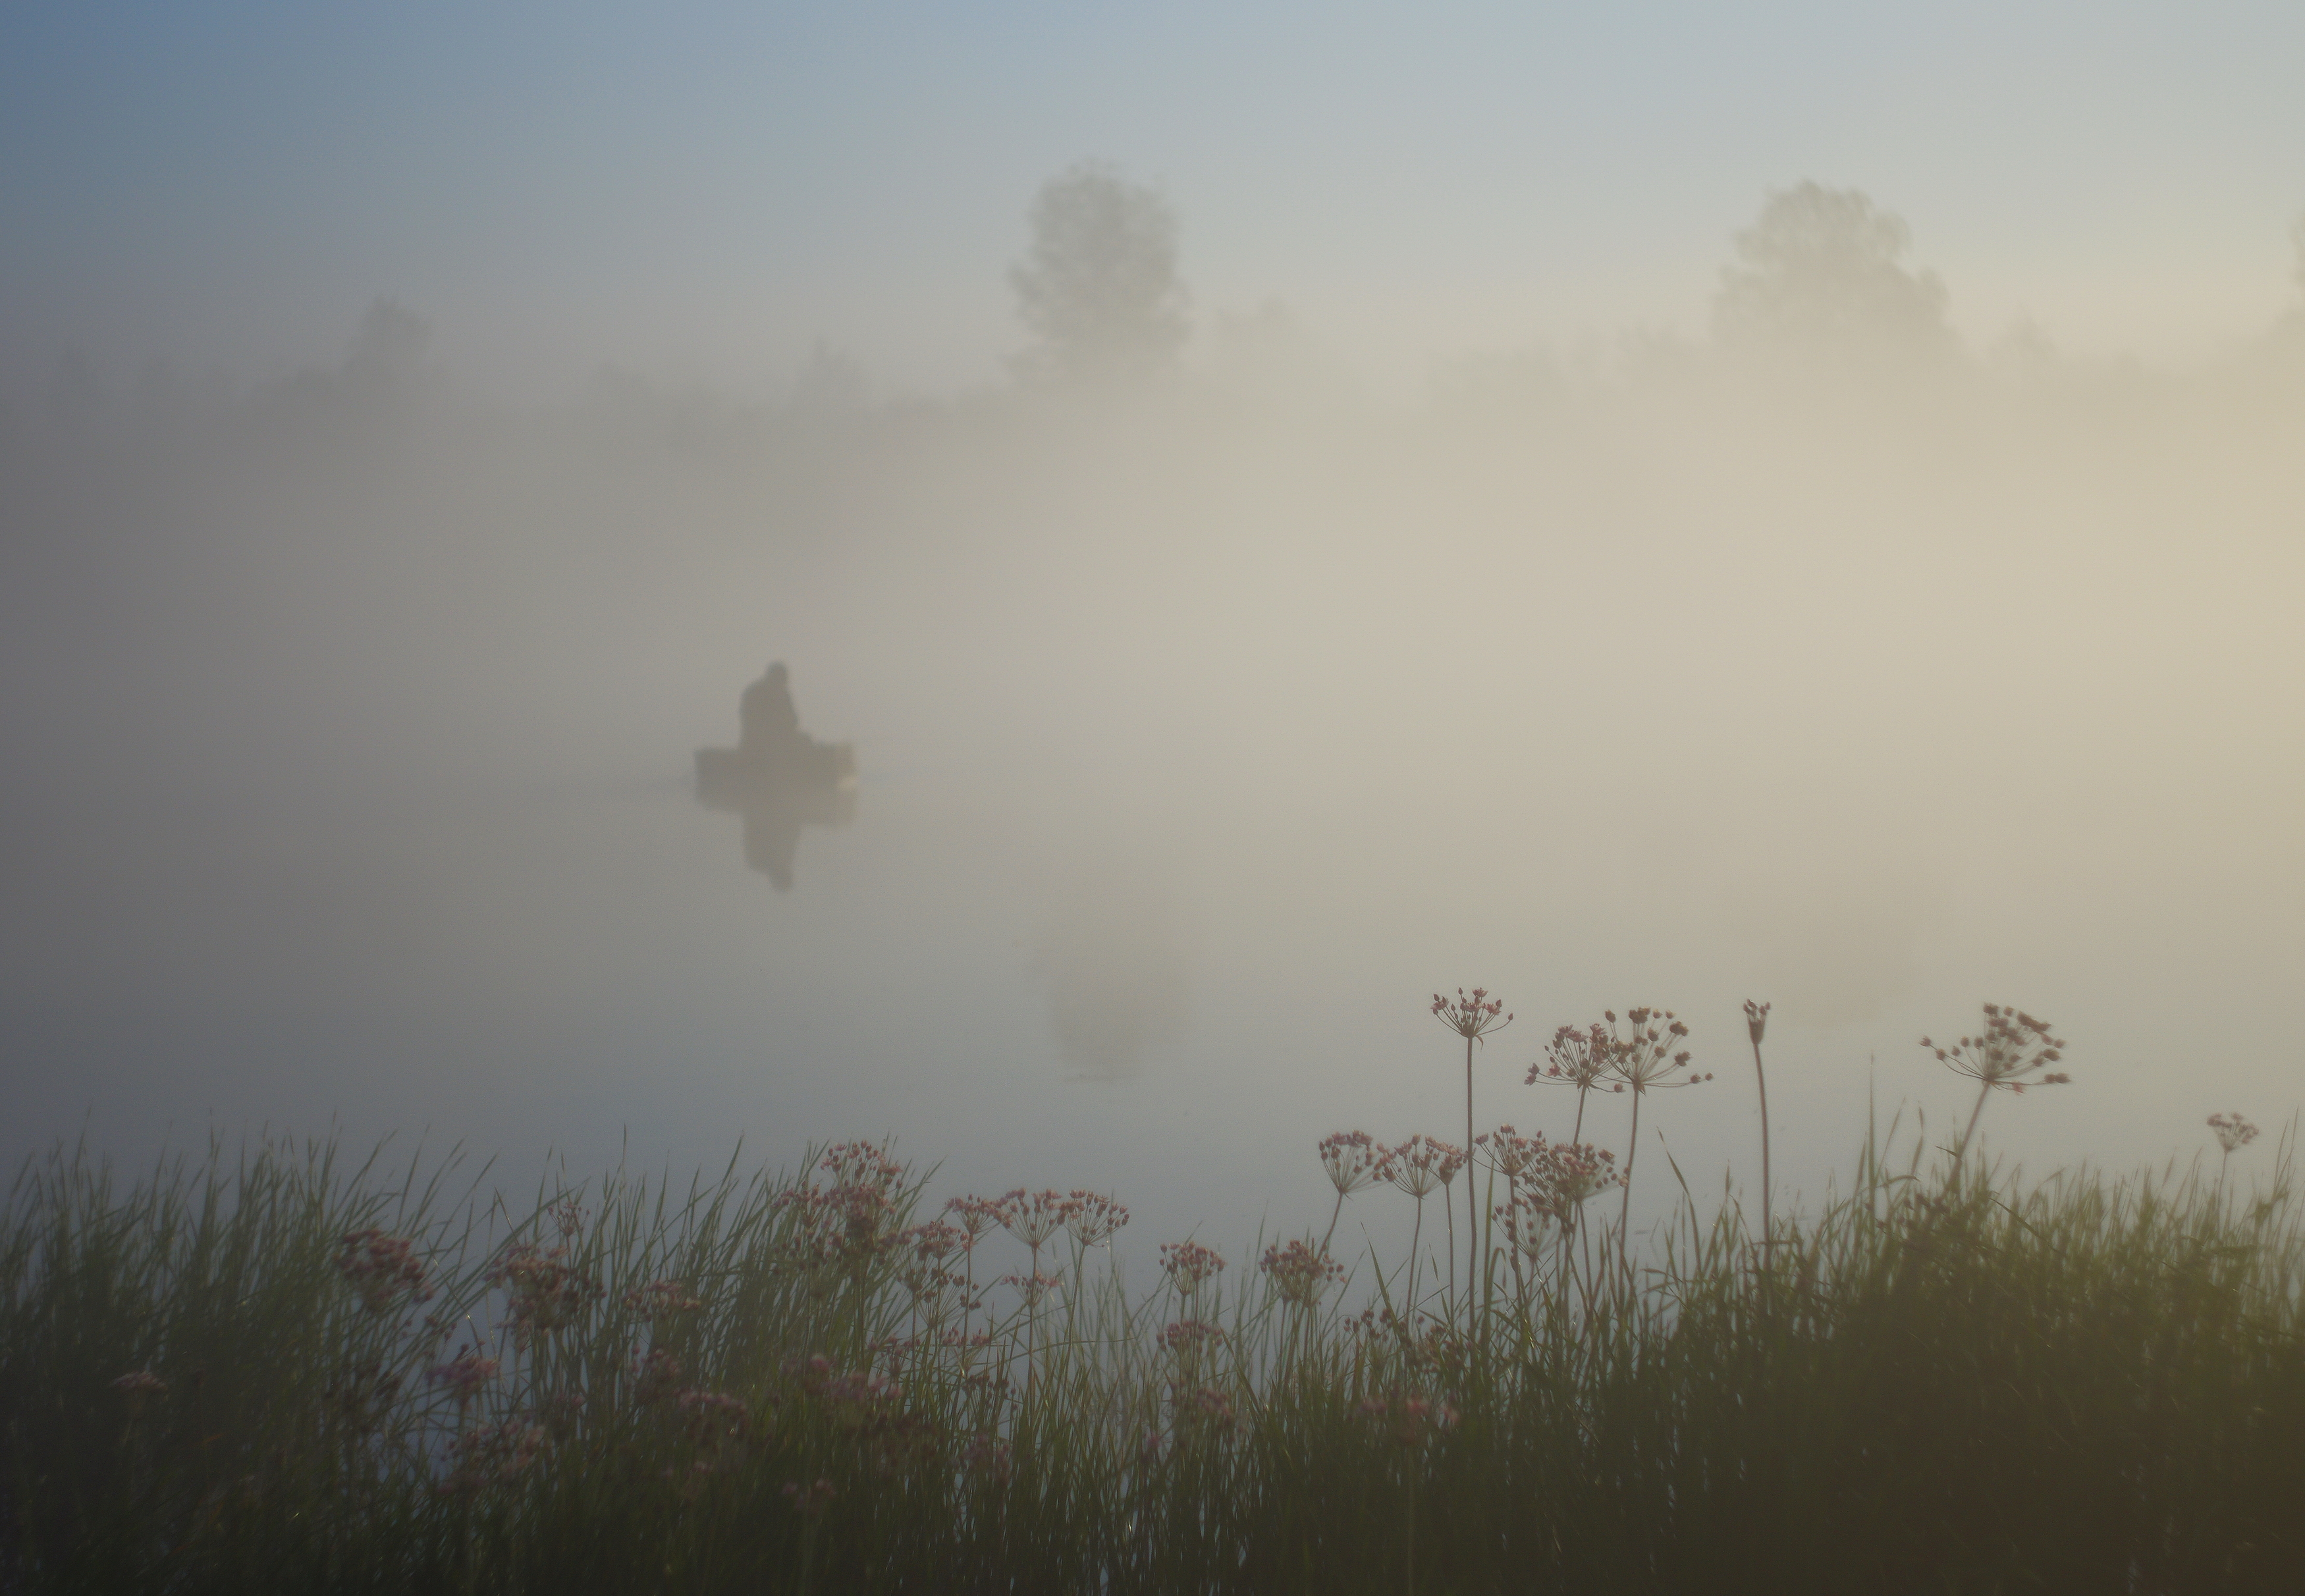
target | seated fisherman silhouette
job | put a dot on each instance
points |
(778, 777)
(766, 714)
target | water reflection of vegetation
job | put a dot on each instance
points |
(274, 1371)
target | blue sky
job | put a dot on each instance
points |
(705, 189)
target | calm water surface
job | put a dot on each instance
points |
(1178, 795)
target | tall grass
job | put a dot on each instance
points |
(1948, 1380)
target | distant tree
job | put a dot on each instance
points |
(1099, 288)
(391, 344)
(1821, 271)
(76, 399)
(384, 371)
(833, 383)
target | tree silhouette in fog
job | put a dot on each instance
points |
(1822, 270)
(1098, 287)
(392, 340)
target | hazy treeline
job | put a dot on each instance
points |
(1821, 291)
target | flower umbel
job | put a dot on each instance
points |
(1421, 1164)
(140, 1386)
(383, 1268)
(2012, 1046)
(1034, 1218)
(1300, 1272)
(661, 1301)
(1580, 1058)
(2233, 1132)
(1645, 1053)
(1471, 1017)
(465, 1376)
(1092, 1219)
(547, 1291)
(1189, 1264)
(1353, 1159)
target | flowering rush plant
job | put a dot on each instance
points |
(1578, 1057)
(2012, 1046)
(2009, 1055)
(1300, 1272)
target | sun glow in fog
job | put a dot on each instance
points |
(1206, 714)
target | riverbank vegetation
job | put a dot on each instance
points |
(280, 1370)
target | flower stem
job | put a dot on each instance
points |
(1472, 1197)
(1768, 1232)
(1983, 1091)
(1625, 1220)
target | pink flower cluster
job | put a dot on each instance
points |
(868, 1408)
(716, 1420)
(657, 1377)
(840, 1223)
(383, 1268)
(1578, 1057)
(1647, 1054)
(1092, 1219)
(1641, 1052)
(1204, 1408)
(974, 1216)
(1472, 1016)
(1187, 1336)
(848, 1219)
(660, 1300)
(1034, 1218)
(988, 1457)
(492, 1454)
(546, 1290)
(1189, 1265)
(1031, 1289)
(847, 1393)
(465, 1375)
(1411, 1421)
(862, 1164)
(1546, 1182)
(2013, 1044)
(1420, 1164)
(1352, 1159)
(933, 1242)
(2233, 1132)
(139, 1387)
(1300, 1271)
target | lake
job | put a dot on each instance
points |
(1197, 745)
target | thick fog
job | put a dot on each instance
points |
(1212, 706)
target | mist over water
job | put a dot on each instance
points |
(1207, 718)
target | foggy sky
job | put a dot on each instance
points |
(706, 192)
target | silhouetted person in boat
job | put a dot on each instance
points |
(766, 715)
(778, 777)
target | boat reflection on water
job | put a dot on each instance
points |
(778, 777)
